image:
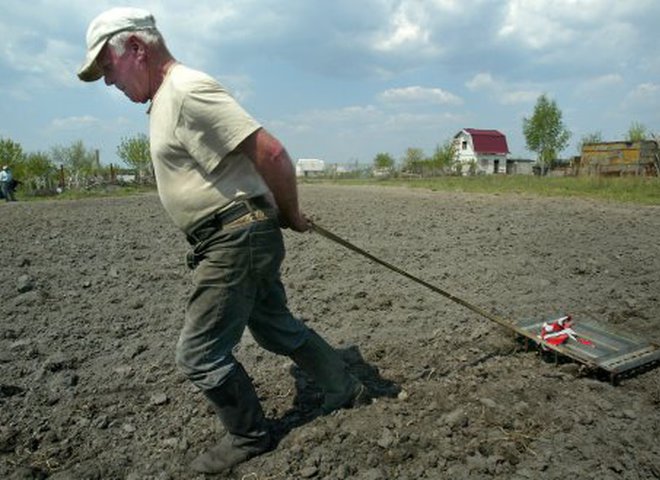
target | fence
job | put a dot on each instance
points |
(63, 178)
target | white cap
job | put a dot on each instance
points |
(103, 27)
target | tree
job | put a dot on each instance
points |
(82, 164)
(637, 132)
(37, 172)
(11, 153)
(595, 137)
(545, 132)
(34, 171)
(383, 160)
(76, 157)
(413, 160)
(444, 157)
(135, 152)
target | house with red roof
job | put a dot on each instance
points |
(481, 151)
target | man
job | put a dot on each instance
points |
(228, 184)
(7, 184)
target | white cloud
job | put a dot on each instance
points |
(74, 123)
(404, 32)
(481, 81)
(419, 95)
(606, 80)
(406, 121)
(502, 92)
(598, 57)
(354, 119)
(15, 93)
(359, 132)
(322, 119)
(645, 93)
(341, 116)
(519, 96)
(646, 89)
(537, 24)
(38, 50)
(564, 32)
(599, 85)
(240, 86)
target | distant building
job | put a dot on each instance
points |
(619, 158)
(125, 177)
(520, 166)
(481, 151)
(381, 172)
(309, 166)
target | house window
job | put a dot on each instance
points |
(464, 145)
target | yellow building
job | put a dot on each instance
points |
(619, 158)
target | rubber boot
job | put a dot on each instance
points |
(322, 362)
(237, 405)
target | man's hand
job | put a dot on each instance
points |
(274, 165)
(299, 223)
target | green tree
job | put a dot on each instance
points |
(383, 160)
(76, 157)
(413, 160)
(444, 157)
(135, 152)
(11, 153)
(37, 172)
(637, 132)
(594, 137)
(545, 132)
(80, 163)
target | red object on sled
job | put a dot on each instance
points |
(559, 331)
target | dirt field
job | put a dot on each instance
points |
(92, 302)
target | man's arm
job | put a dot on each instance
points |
(274, 165)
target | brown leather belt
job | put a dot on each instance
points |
(243, 212)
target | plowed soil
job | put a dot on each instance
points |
(93, 295)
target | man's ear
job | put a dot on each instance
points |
(136, 46)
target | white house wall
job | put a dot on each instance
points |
(306, 166)
(484, 164)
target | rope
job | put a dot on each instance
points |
(331, 236)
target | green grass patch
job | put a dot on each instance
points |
(94, 192)
(640, 190)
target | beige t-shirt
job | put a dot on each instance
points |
(195, 126)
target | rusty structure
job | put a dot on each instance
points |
(619, 159)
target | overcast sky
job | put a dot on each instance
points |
(343, 80)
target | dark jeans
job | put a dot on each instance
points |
(236, 284)
(7, 191)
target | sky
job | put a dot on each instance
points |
(344, 80)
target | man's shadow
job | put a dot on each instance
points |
(308, 397)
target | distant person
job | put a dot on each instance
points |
(228, 184)
(7, 184)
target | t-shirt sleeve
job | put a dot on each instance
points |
(212, 124)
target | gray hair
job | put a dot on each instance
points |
(149, 36)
